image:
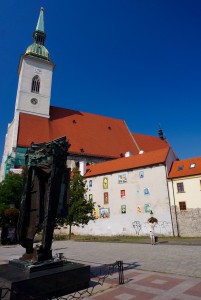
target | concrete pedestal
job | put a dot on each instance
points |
(54, 281)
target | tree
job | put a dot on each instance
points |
(10, 197)
(11, 190)
(80, 210)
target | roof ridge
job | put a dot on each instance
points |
(132, 137)
(122, 164)
(89, 113)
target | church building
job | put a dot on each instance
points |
(93, 138)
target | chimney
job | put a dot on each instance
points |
(82, 167)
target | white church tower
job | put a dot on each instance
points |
(35, 75)
(34, 88)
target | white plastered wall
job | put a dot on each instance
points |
(132, 222)
(7, 148)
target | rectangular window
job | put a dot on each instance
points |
(180, 187)
(182, 205)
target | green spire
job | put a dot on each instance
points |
(39, 34)
(38, 49)
(40, 24)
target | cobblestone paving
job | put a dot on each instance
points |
(155, 272)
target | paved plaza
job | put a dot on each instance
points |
(150, 272)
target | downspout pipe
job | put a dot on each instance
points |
(169, 202)
(175, 209)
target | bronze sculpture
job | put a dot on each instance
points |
(45, 195)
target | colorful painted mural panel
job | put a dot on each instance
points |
(123, 209)
(104, 213)
(122, 178)
(106, 198)
(146, 191)
(147, 208)
(141, 174)
(105, 183)
(123, 193)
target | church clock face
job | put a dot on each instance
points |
(37, 70)
(34, 101)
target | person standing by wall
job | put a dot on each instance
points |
(152, 223)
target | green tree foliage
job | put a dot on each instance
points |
(10, 194)
(81, 210)
(11, 190)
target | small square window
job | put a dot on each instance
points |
(182, 205)
(180, 187)
(180, 168)
(192, 166)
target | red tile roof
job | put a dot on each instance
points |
(126, 163)
(149, 143)
(183, 168)
(88, 134)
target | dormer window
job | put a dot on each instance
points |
(35, 87)
(180, 168)
(192, 166)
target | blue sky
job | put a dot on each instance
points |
(137, 60)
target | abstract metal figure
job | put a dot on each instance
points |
(45, 194)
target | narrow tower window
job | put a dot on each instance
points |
(35, 87)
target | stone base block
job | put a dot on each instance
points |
(51, 282)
